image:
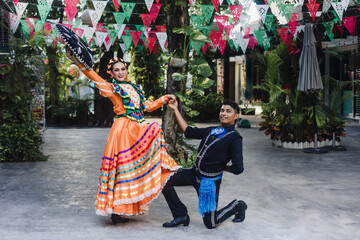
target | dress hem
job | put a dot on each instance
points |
(144, 207)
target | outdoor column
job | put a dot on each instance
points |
(243, 78)
(327, 73)
(237, 82)
(226, 74)
(219, 76)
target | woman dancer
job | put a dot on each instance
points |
(135, 165)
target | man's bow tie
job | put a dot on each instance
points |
(219, 132)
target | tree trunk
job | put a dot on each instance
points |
(177, 16)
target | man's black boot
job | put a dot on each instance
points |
(240, 215)
(185, 220)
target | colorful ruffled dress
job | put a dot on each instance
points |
(135, 165)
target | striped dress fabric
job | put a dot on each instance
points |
(135, 164)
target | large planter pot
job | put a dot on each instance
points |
(276, 143)
(337, 143)
(244, 123)
(285, 144)
(302, 145)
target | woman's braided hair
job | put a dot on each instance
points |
(112, 62)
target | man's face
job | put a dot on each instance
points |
(227, 116)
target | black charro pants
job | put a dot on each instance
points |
(189, 177)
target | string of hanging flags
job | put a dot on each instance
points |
(237, 30)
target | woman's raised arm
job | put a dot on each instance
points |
(104, 87)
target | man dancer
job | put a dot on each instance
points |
(218, 146)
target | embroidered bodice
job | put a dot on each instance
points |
(134, 95)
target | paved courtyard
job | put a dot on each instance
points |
(291, 195)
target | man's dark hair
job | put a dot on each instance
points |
(233, 105)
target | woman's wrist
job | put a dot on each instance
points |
(81, 66)
(165, 98)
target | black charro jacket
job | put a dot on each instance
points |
(214, 153)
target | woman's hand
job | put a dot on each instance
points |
(171, 97)
(72, 57)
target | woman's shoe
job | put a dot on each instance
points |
(185, 220)
(240, 215)
(118, 219)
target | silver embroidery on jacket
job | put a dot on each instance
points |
(202, 153)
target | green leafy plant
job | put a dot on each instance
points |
(190, 161)
(148, 70)
(288, 114)
(333, 123)
(208, 105)
(200, 72)
(20, 139)
(71, 111)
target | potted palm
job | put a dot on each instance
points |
(288, 113)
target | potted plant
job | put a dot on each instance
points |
(247, 110)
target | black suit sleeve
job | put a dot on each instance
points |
(237, 166)
(194, 132)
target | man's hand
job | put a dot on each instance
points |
(173, 104)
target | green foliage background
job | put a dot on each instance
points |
(148, 70)
(288, 115)
(20, 139)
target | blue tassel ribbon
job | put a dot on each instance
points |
(207, 195)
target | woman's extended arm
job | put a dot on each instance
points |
(152, 106)
(104, 87)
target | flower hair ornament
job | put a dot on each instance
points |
(112, 62)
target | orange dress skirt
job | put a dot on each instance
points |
(134, 168)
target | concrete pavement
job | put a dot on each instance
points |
(290, 194)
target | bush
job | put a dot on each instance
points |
(288, 115)
(208, 106)
(71, 111)
(20, 139)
